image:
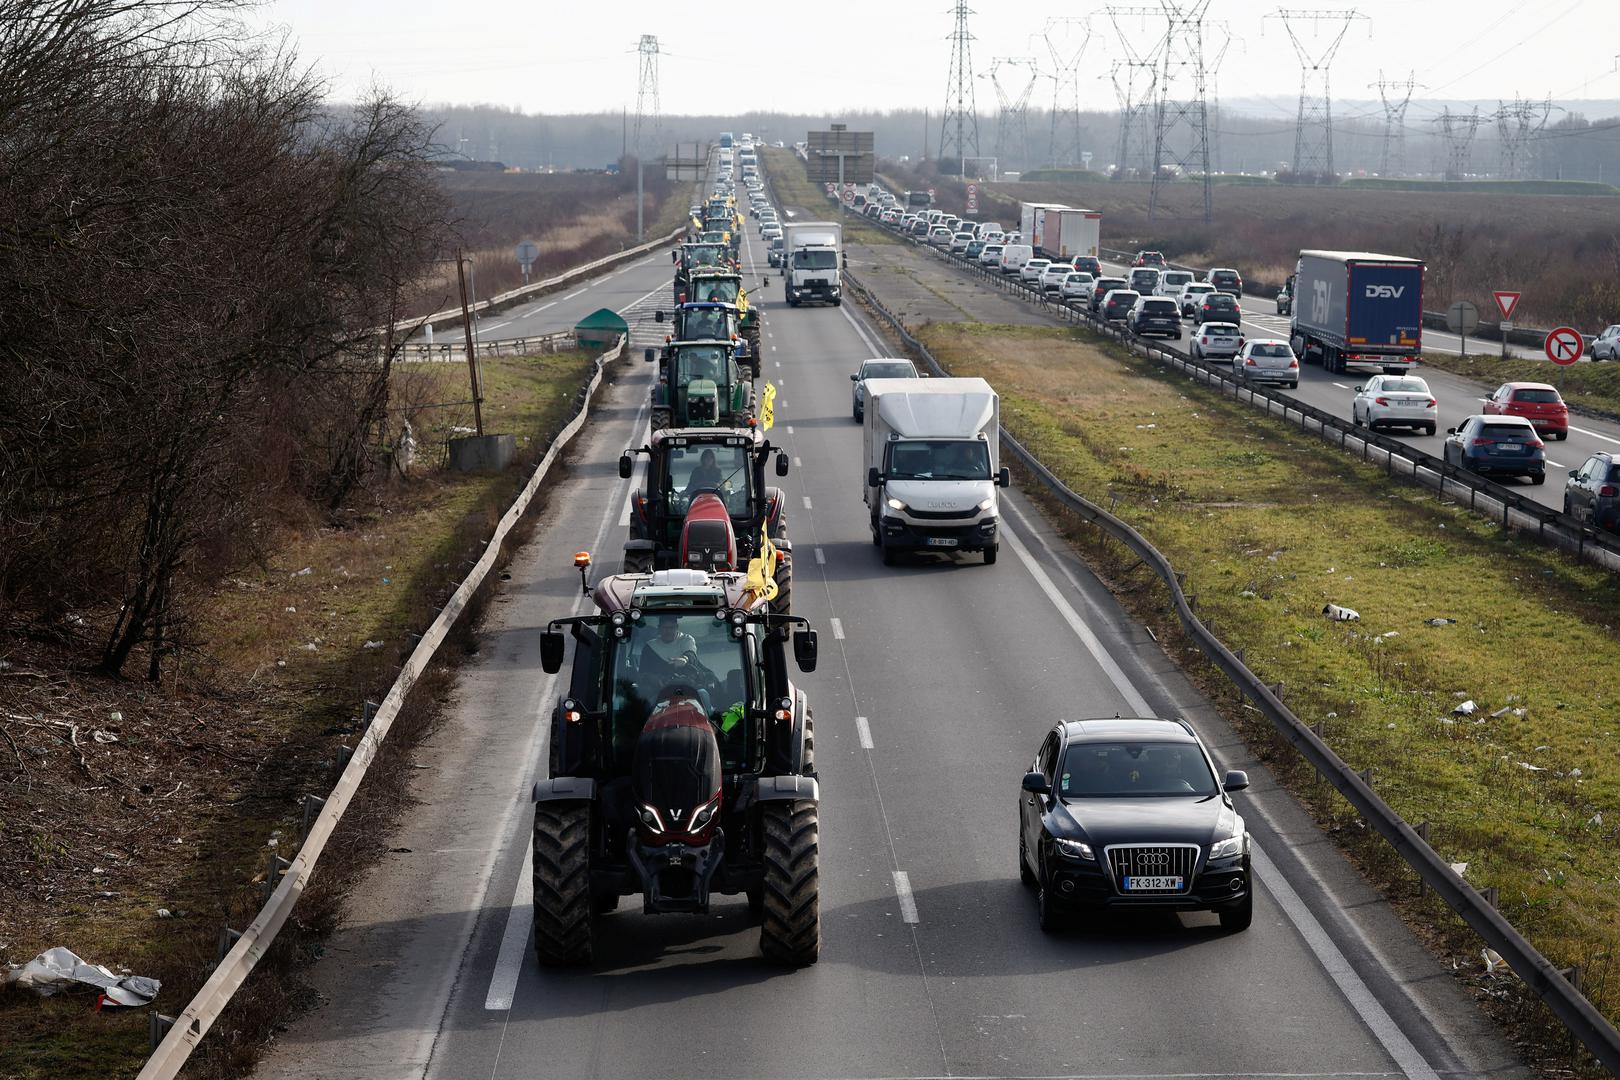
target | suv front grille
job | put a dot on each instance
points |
(1153, 860)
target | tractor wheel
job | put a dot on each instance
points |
(783, 604)
(661, 419)
(808, 765)
(790, 932)
(562, 895)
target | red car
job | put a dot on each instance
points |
(1536, 402)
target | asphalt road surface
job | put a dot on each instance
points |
(936, 682)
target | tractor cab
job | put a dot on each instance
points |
(701, 384)
(712, 322)
(691, 258)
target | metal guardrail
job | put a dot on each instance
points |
(448, 351)
(188, 1029)
(1513, 511)
(1556, 989)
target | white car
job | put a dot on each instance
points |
(1052, 276)
(1077, 285)
(1267, 360)
(1192, 294)
(1606, 346)
(992, 236)
(991, 255)
(939, 236)
(770, 232)
(1216, 341)
(960, 241)
(1031, 271)
(1395, 401)
(1171, 282)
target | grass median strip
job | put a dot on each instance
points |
(134, 851)
(1478, 681)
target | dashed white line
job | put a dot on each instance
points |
(864, 730)
(1555, 464)
(807, 502)
(821, 557)
(1341, 386)
(837, 628)
(908, 902)
(778, 363)
(790, 429)
(577, 292)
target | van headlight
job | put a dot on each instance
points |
(1232, 845)
(985, 504)
(897, 505)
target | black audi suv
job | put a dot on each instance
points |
(1130, 813)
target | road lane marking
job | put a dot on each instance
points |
(486, 329)
(864, 730)
(1341, 386)
(790, 429)
(837, 628)
(860, 332)
(807, 502)
(1595, 435)
(797, 464)
(1555, 464)
(908, 902)
(821, 557)
(577, 292)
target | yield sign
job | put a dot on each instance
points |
(1506, 302)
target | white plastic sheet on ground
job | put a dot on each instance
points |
(58, 969)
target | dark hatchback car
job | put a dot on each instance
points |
(1103, 287)
(1218, 307)
(1156, 315)
(1130, 813)
(1089, 264)
(1592, 492)
(1502, 445)
(1117, 305)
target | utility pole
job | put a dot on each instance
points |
(1182, 105)
(1313, 131)
(1396, 95)
(472, 350)
(960, 127)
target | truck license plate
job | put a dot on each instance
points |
(942, 541)
(1153, 884)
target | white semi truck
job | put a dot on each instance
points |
(933, 448)
(812, 255)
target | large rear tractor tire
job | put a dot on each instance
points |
(790, 931)
(661, 419)
(562, 895)
(783, 604)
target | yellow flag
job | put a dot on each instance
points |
(767, 407)
(761, 579)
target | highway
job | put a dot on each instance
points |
(1458, 397)
(937, 680)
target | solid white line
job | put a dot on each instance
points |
(864, 730)
(807, 502)
(837, 628)
(821, 557)
(908, 902)
(1595, 435)
(860, 331)
(1345, 977)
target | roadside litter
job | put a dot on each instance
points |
(1341, 614)
(58, 969)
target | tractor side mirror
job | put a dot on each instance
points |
(626, 466)
(781, 465)
(658, 316)
(647, 355)
(551, 651)
(1236, 780)
(1036, 784)
(804, 650)
(1003, 477)
(873, 478)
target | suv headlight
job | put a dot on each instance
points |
(1074, 849)
(897, 505)
(1232, 845)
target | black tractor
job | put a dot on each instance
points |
(685, 464)
(682, 765)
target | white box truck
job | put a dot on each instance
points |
(933, 452)
(1066, 233)
(812, 255)
(1031, 215)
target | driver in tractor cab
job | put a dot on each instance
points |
(706, 477)
(706, 324)
(672, 650)
(705, 365)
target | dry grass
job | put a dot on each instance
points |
(1270, 525)
(206, 769)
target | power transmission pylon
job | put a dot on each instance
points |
(1066, 40)
(1181, 104)
(1226, 39)
(1458, 130)
(1313, 132)
(647, 91)
(959, 128)
(1013, 78)
(1135, 80)
(1518, 126)
(1396, 94)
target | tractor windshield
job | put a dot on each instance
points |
(668, 651)
(703, 362)
(704, 255)
(723, 470)
(715, 290)
(706, 324)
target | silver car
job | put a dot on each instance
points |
(1395, 401)
(1267, 360)
(883, 367)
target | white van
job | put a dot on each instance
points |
(1014, 256)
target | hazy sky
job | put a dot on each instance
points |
(546, 56)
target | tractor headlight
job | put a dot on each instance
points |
(1232, 845)
(701, 819)
(650, 818)
(1074, 849)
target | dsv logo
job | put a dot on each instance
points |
(1385, 292)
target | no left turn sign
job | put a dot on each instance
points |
(1565, 345)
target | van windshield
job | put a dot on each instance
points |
(938, 459)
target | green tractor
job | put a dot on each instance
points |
(718, 285)
(690, 258)
(700, 384)
(683, 466)
(713, 322)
